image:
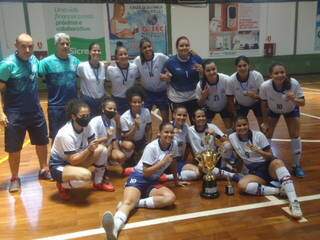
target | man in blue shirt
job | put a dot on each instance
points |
(60, 73)
(20, 109)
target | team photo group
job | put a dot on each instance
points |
(100, 119)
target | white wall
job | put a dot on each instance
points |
(306, 27)
(11, 25)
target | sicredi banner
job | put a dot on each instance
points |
(83, 22)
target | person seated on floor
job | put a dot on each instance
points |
(119, 151)
(75, 149)
(261, 166)
(196, 136)
(142, 188)
(136, 123)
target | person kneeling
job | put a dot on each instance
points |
(261, 167)
(74, 150)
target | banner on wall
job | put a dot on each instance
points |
(128, 23)
(317, 35)
(83, 22)
(234, 29)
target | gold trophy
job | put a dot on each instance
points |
(207, 161)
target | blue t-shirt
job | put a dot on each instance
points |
(21, 79)
(184, 76)
(61, 78)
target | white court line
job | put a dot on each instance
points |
(312, 89)
(181, 217)
(289, 140)
(310, 92)
(312, 116)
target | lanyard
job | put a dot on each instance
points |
(96, 73)
(125, 76)
(150, 68)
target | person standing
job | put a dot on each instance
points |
(20, 109)
(60, 73)
(92, 78)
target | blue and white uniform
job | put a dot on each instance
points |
(238, 89)
(217, 99)
(254, 163)
(152, 154)
(21, 102)
(195, 138)
(121, 80)
(100, 126)
(127, 121)
(277, 101)
(61, 79)
(92, 85)
(155, 88)
(181, 88)
(67, 141)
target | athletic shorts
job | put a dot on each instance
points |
(56, 166)
(57, 118)
(261, 170)
(295, 113)
(143, 184)
(19, 123)
(159, 99)
(122, 104)
(243, 110)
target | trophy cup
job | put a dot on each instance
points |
(208, 160)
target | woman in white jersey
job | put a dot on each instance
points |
(260, 166)
(122, 76)
(92, 77)
(136, 122)
(282, 95)
(150, 65)
(196, 136)
(211, 93)
(75, 149)
(142, 188)
(243, 90)
(119, 151)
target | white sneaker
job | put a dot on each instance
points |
(108, 225)
(296, 209)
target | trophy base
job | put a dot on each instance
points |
(210, 195)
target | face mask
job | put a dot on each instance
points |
(110, 114)
(83, 121)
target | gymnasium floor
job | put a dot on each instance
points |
(38, 213)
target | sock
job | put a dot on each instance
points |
(296, 150)
(186, 175)
(100, 165)
(74, 184)
(119, 220)
(254, 188)
(286, 182)
(146, 203)
(222, 173)
(168, 177)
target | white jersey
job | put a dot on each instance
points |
(153, 154)
(127, 122)
(100, 126)
(277, 100)
(181, 139)
(91, 80)
(195, 138)
(68, 141)
(244, 152)
(238, 89)
(217, 99)
(122, 79)
(150, 72)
